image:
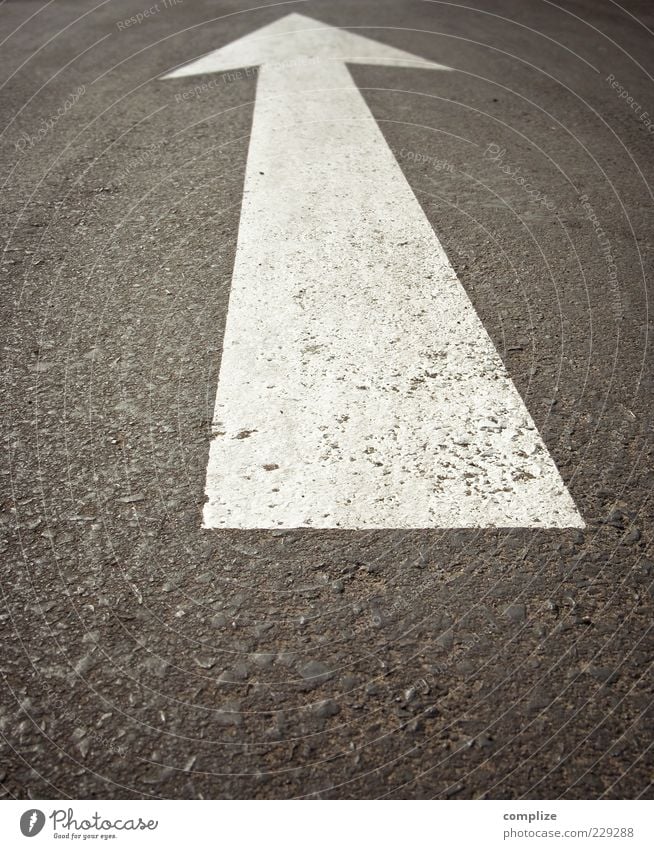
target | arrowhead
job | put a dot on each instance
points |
(297, 38)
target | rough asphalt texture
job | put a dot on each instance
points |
(145, 657)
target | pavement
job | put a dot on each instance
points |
(146, 657)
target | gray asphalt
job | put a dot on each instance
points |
(145, 657)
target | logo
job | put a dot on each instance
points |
(32, 822)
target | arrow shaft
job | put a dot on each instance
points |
(356, 377)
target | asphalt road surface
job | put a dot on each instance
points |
(146, 656)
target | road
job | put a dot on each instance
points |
(147, 656)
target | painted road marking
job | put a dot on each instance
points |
(358, 387)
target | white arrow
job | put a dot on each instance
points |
(358, 387)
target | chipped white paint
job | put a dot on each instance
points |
(358, 387)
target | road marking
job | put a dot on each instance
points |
(358, 387)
